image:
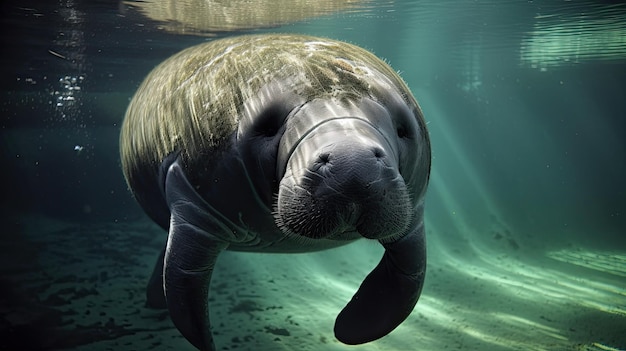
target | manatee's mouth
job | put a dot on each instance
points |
(344, 216)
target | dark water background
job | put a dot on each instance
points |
(525, 100)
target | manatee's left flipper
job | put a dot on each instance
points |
(190, 257)
(388, 294)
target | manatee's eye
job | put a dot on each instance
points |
(269, 126)
(405, 123)
(268, 129)
(405, 129)
(402, 131)
(270, 122)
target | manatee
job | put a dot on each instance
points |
(284, 144)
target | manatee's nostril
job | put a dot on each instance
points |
(379, 152)
(324, 158)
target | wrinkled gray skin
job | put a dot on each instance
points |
(312, 174)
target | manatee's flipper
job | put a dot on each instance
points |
(388, 294)
(190, 257)
(155, 295)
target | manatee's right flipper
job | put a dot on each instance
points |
(159, 211)
(155, 296)
(190, 257)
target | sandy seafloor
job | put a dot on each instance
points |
(69, 286)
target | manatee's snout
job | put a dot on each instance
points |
(343, 179)
(349, 170)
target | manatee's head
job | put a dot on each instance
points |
(346, 169)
